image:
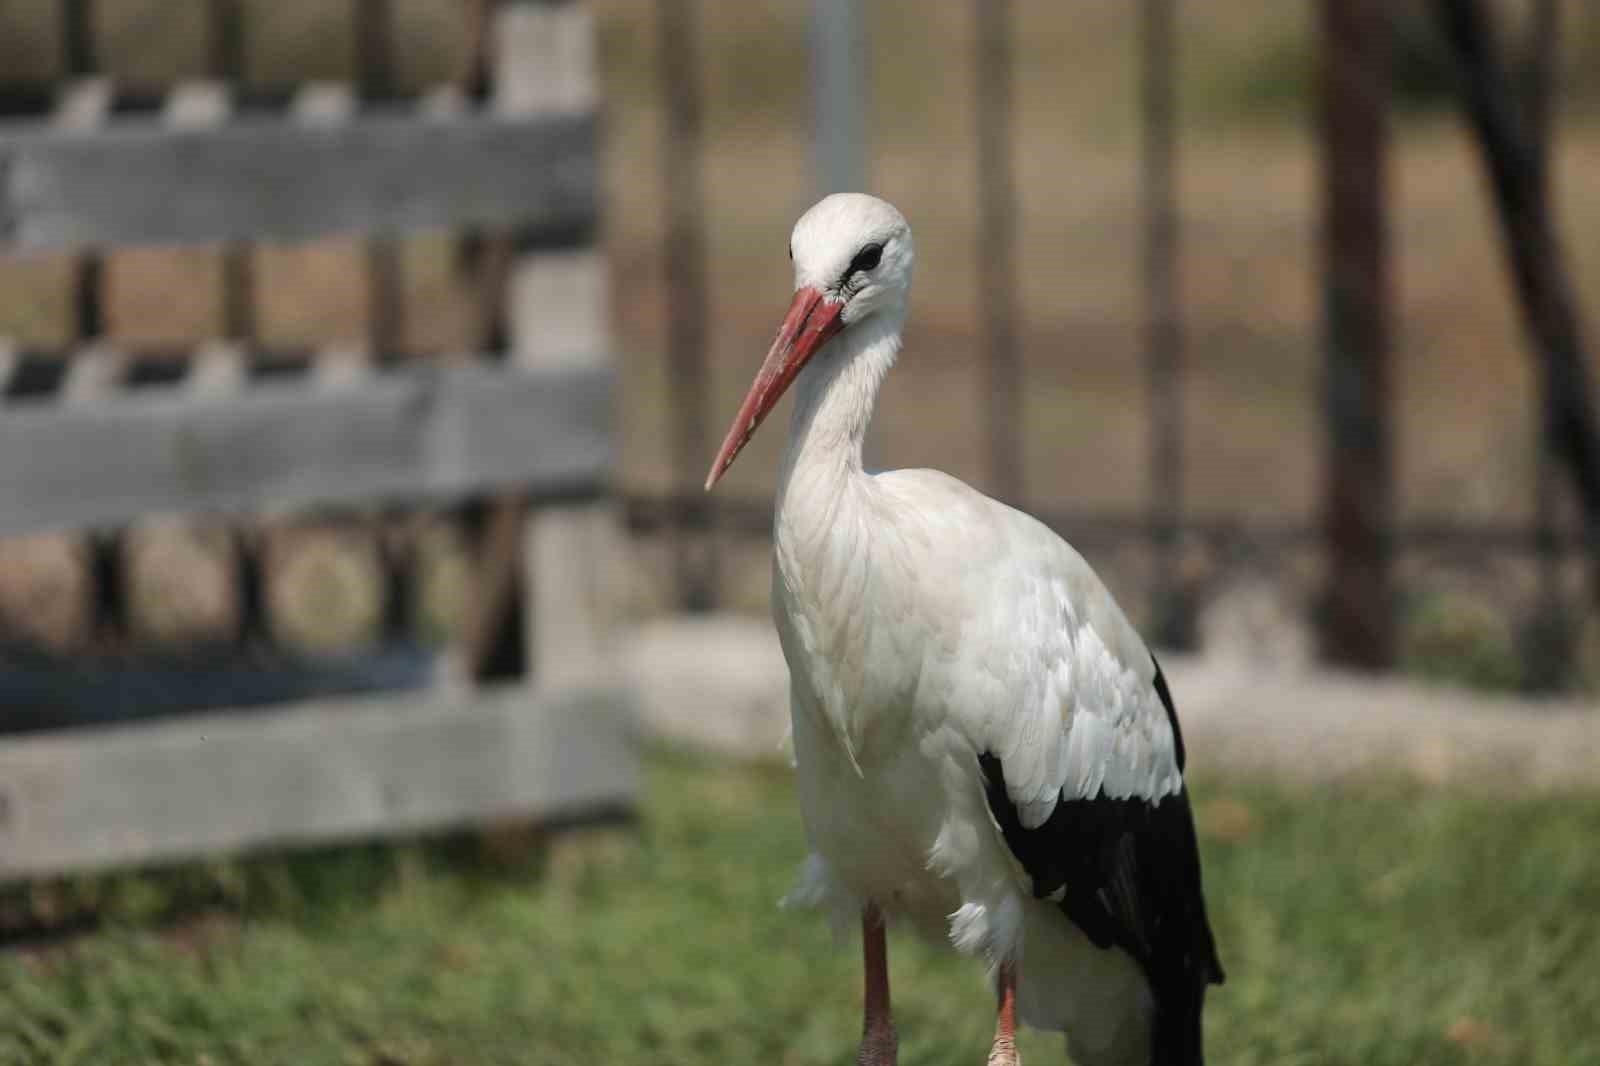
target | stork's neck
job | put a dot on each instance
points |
(834, 399)
(824, 532)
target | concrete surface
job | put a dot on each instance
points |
(719, 684)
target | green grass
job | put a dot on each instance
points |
(1376, 925)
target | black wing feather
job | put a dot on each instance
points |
(1128, 871)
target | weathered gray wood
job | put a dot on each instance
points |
(401, 435)
(141, 181)
(218, 369)
(199, 104)
(9, 359)
(95, 798)
(95, 373)
(556, 316)
(544, 57)
(83, 103)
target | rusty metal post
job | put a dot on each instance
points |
(374, 64)
(1548, 647)
(997, 242)
(685, 260)
(1163, 340)
(1358, 509)
(227, 64)
(80, 60)
(1535, 255)
(227, 48)
(77, 38)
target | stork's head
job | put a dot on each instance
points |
(852, 260)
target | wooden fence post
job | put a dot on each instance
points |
(1358, 623)
(556, 316)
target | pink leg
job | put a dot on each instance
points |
(878, 1046)
(1004, 1052)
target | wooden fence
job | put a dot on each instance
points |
(88, 440)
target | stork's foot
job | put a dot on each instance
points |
(1004, 1051)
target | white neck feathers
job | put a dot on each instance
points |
(822, 519)
(834, 400)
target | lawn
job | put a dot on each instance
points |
(1381, 924)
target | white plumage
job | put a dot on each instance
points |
(937, 640)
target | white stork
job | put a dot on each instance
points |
(986, 750)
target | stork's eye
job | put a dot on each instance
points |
(867, 258)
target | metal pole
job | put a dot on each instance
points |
(1163, 326)
(77, 38)
(997, 238)
(238, 265)
(239, 325)
(1358, 510)
(839, 93)
(1535, 255)
(694, 562)
(375, 71)
(80, 59)
(1548, 656)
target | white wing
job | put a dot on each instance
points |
(1034, 661)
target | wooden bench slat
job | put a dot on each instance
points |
(196, 784)
(145, 182)
(403, 435)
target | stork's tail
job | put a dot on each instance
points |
(1175, 1038)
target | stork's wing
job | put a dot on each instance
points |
(1125, 870)
(1030, 658)
(1074, 707)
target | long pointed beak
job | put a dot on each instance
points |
(811, 320)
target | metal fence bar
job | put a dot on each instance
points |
(1548, 647)
(105, 547)
(1535, 257)
(491, 632)
(1163, 324)
(77, 37)
(374, 63)
(694, 564)
(751, 516)
(839, 94)
(997, 242)
(226, 39)
(374, 51)
(386, 320)
(238, 326)
(227, 46)
(481, 257)
(1358, 620)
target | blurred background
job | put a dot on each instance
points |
(1275, 310)
(1050, 359)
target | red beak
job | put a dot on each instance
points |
(811, 320)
